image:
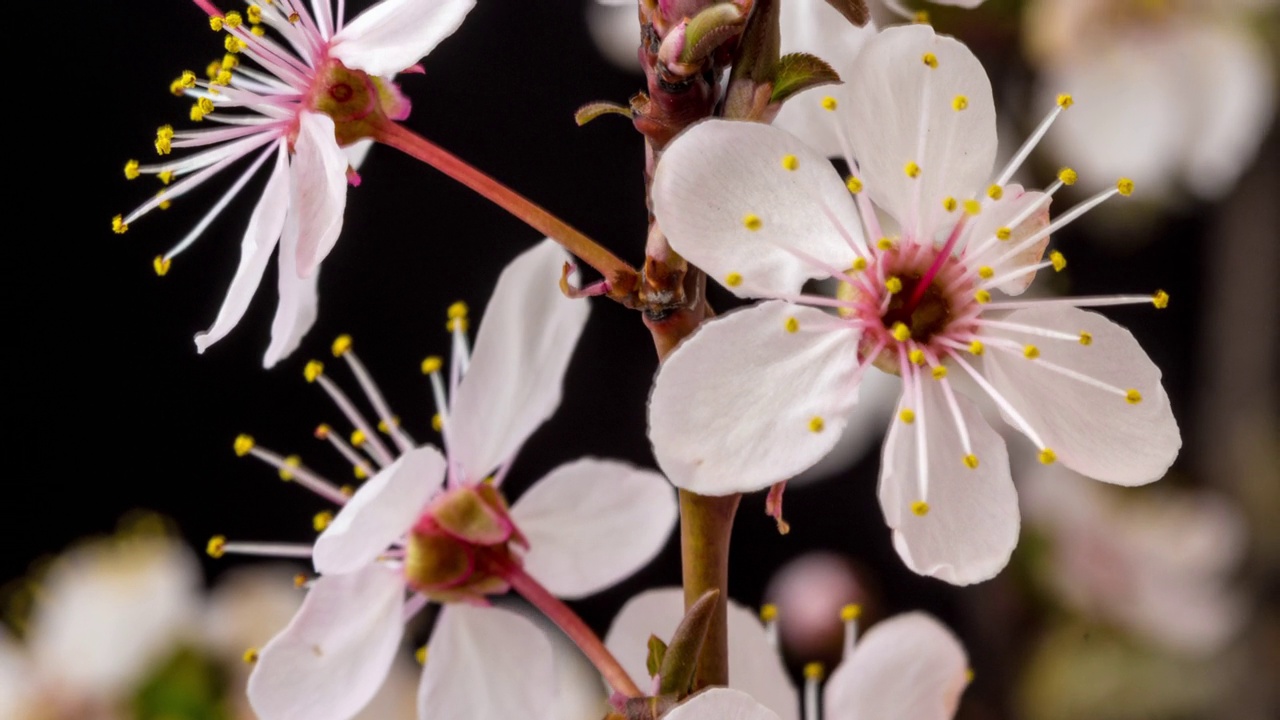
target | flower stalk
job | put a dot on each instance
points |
(706, 524)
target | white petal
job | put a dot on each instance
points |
(395, 34)
(720, 174)
(997, 214)
(592, 523)
(757, 668)
(896, 97)
(356, 152)
(486, 664)
(260, 238)
(733, 408)
(1092, 431)
(877, 401)
(318, 193)
(332, 658)
(381, 511)
(721, 704)
(814, 27)
(909, 667)
(299, 298)
(109, 611)
(972, 523)
(513, 384)
(17, 686)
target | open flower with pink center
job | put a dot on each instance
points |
(435, 526)
(319, 90)
(763, 393)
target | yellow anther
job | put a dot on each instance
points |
(294, 18)
(322, 431)
(829, 103)
(205, 105)
(921, 17)
(232, 19)
(233, 44)
(230, 62)
(971, 461)
(1125, 186)
(222, 78)
(1030, 352)
(164, 140)
(939, 372)
(358, 437)
(131, 170)
(995, 192)
(1067, 176)
(421, 655)
(1065, 101)
(960, 103)
(293, 461)
(920, 508)
(215, 23)
(930, 59)
(258, 30)
(165, 204)
(854, 184)
(982, 296)
(341, 345)
(187, 80)
(885, 244)
(768, 612)
(790, 162)
(1086, 338)
(457, 311)
(907, 415)
(1004, 233)
(176, 88)
(752, 222)
(243, 444)
(255, 14)
(893, 285)
(211, 70)
(196, 114)
(1047, 456)
(859, 264)
(916, 356)
(976, 347)
(118, 225)
(165, 176)
(359, 472)
(792, 325)
(949, 204)
(900, 332)
(250, 656)
(1059, 261)
(733, 279)
(216, 546)
(313, 370)
(911, 169)
(985, 272)
(968, 675)
(321, 520)
(816, 424)
(1132, 396)
(972, 207)
(384, 427)
(850, 612)
(348, 490)
(437, 422)
(1160, 299)
(432, 364)
(814, 671)
(299, 580)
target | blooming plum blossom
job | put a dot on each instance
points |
(763, 393)
(436, 525)
(320, 88)
(909, 667)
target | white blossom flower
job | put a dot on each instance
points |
(106, 613)
(436, 523)
(1159, 564)
(909, 667)
(763, 393)
(319, 88)
(1178, 94)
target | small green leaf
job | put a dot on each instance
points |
(593, 110)
(709, 29)
(657, 649)
(800, 71)
(680, 662)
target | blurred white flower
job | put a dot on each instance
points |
(1174, 93)
(1158, 564)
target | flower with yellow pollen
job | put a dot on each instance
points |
(435, 526)
(731, 406)
(304, 91)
